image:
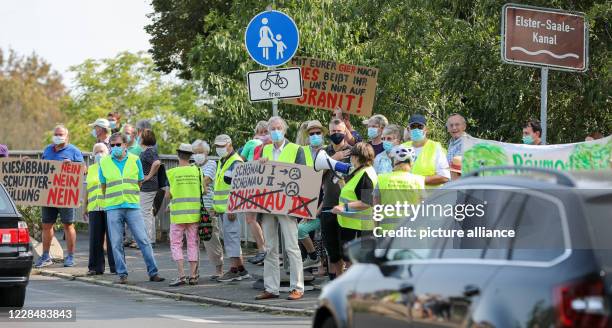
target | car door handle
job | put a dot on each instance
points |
(471, 290)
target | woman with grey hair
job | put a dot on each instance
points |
(391, 136)
(208, 167)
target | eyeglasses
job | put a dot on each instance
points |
(314, 133)
(116, 145)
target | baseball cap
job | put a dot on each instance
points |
(417, 118)
(222, 140)
(101, 122)
(185, 148)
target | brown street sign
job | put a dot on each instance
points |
(544, 37)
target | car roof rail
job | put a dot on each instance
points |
(562, 178)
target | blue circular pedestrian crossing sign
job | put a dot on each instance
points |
(271, 38)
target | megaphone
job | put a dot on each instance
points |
(324, 162)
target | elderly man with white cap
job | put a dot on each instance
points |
(101, 131)
(228, 158)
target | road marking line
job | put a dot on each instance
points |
(186, 318)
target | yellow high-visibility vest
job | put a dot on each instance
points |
(222, 189)
(95, 198)
(425, 164)
(186, 190)
(398, 187)
(308, 156)
(287, 155)
(360, 220)
(121, 187)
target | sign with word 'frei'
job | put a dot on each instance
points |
(271, 38)
(588, 155)
(275, 188)
(279, 83)
(329, 84)
(35, 182)
(544, 37)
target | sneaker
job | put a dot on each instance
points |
(214, 277)
(156, 278)
(310, 263)
(69, 261)
(230, 276)
(295, 295)
(258, 258)
(43, 261)
(265, 296)
(122, 280)
(244, 274)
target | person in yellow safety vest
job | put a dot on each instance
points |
(185, 203)
(354, 208)
(430, 155)
(95, 215)
(228, 159)
(397, 188)
(120, 177)
(281, 150)
(314, 132)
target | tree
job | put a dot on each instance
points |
(434, 57)
(130, 85)
(31, 94)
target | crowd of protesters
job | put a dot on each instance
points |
(127, 183)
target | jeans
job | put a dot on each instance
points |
(116, 219)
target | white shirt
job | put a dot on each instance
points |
(442, 168)
(277, 151)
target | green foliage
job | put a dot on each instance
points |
(435, 57)
(31, 94)
(130, 85)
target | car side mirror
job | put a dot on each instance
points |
(364, 250)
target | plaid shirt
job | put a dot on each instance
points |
(455, 148)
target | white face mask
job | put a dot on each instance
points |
(58, 140)
(221, 151)
(199, 158)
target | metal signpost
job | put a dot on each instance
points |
(271, 39)
(545, 38)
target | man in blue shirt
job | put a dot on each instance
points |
(59, 150)
(127, 211)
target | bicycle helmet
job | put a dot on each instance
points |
(402, 154)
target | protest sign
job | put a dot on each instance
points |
(328, 85)
(589, 155)
(35, 182)
(275, 188)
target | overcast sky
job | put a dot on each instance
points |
(66, 32)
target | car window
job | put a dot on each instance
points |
(539, 231)
(5, 204)
(511, 204)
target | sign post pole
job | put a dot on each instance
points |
(544, 102)
(275, 107)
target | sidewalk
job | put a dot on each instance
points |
(235, 294)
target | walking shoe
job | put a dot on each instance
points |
(122, 280)
(156, 278)
(43, 261)
(244, 274)
(310, 263)
(258, 258)
(214, 277)
(134, 245)
(265, 296)
(179, 281)
(230, 276)
(69, 261)
(93, 273)
(295, 295)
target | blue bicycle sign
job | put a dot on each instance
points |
(271, 38)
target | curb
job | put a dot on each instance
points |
(182, 297)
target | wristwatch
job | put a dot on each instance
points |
(346, 208)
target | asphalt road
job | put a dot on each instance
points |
(98, 306)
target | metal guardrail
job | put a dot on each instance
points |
(163, 217)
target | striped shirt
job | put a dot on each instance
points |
(209, 169)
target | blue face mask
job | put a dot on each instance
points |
(117, 151)
(113, 124)
(128, 138)
(316, 140)
(387, 145)
(93, 133)
(277, 135)
(372, 133)
(528, 140)
(97, 158)
(417, 135)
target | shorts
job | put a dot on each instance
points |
(305, 227)
(49, 215)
